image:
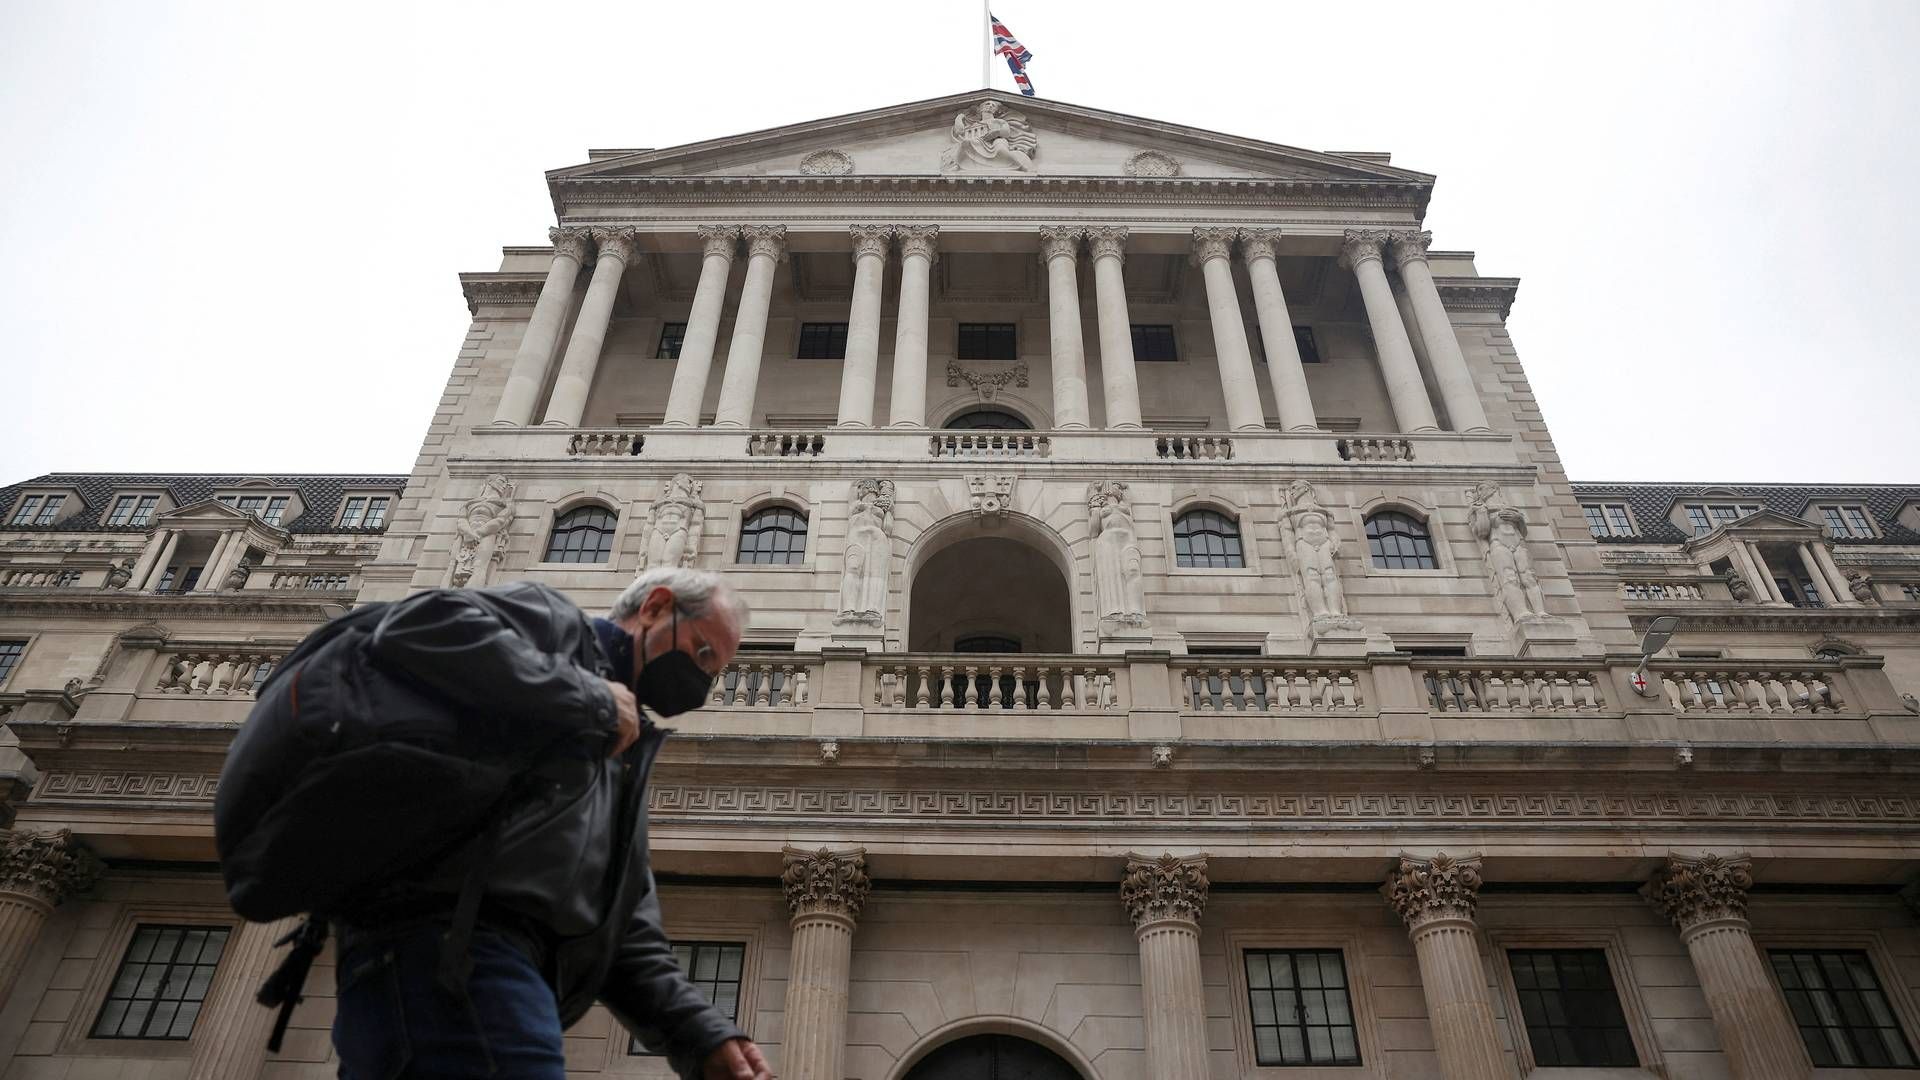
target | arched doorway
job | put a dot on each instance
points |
(992, 1057)
(987, 420)
(989, 592)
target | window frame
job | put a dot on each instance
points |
(76, 1035)
(1419, 517)
(1202, 506)
(552, 525)
(1612, 943)
(26, 646)
(667, 334)
(1865, 529)
(1900, 997)
(810, 346)
(1135, 338)
(1622, 525)
(618, 1060)
(1707, 508)
(25, 509)
(960, 337)
(1353, 956)
(747, 514)
(366, 500)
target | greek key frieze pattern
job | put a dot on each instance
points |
(130, 786)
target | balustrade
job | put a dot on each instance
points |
(1265, 687)
(218, 672)
(48, 577)
(1193, 447)
(1762, 690)
(989, 444)
(1659, 590)
(322, 580)
(606, 444)
(1482, 688)
(976, 682)
(1374, 448)
(786, 444)
(762, 684)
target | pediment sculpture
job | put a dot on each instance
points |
(675, 522)
(988, 138)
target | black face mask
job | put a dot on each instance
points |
(671, 683)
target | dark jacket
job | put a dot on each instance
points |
(572, 859)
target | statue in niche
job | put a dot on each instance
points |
(1307, 537)
(1503, 529)
(120, 573)
(237, 577)
(480, 535)
(863, 577)
(1119, 583)
(675, 522)
(986, 137)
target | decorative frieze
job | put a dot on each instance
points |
(1691, 890)
(985, 383)
(987, 138)
(1169, 887)
(46, 867)
(1443, 887)
(826, 881)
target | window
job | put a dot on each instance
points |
(987, 419)
(364, 512)
(376, 512)
(28, 507)
(269, 509)
(161, 983)
(672, 336)
(66, 578)
(1842, 1012)
(1207, 538)
(776, 536)
(583, 536)
(351, 514)
(986, 341)
(1398, 542)
(823, 341)
(276, 509)
(49, 510)
(1847, 522)
(1607, 519)
(1571, 1009)
(714, 967)
(1153, 343)
(135, 510)
(1303, 341)
(1302, 1014)
(1706, 517)
(10, 652)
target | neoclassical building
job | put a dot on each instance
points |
(1178, 651)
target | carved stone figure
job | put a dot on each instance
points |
(120, 573)
(1503, 529)
(863, 578)
(986, 137)
(990, 495)
(1860, 585)
(1119, 583)
(237, 577)
(1738, 586)
(1307, 535)
(480, 534)
(675, 522)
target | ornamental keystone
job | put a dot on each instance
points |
(826, 882)
(1691, 890)
(1169, 887)
(46, 867)
(1426, 890)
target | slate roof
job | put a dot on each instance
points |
(320, 492)
(1650, 504)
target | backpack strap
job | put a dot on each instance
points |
(283, 987)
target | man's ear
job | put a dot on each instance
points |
(656, 604)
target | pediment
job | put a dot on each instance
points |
(1765, 524)
(205, 512)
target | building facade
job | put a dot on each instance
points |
(1177, 650)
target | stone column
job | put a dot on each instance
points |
(209, 573)
(159, 571)
(703, 326)
(1117, 376)
(1284, 369)
(1823, 558)
(1819, 578)
(38, 871)
(1766, 585)
(1164, 897)
(230, 1036)
(766, 246)
(1212, 249)
(1060, 249)
(1408, 394)
(530, 363)
(1450, 370)
(1706, 899)
(909, 405)
(148, 556)
(860, 370)
(569, 398)
(1436, 897)
(825, 891)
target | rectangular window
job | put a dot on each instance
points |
(1571, 1009)
(1847, 522)
(192, 579)
(276, 509)
(1153, 343)
(49, 510)
(162, 982)
(123, 510)
(823, 341)
(1843, 1014)
(143, 512)
(10, 653)
(376, 512)
(986, 341)
(672, 336)
(350, 516)
(714, 967)
(166, 581)
(250, 504)
(1303, 341)
(1302, 1013)
(28, 507)
(1706, 517)
(1607, 519)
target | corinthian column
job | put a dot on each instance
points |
(1164, 897)
(1060, 249)
(1117, 376)
(766, 246)
(1436, 897)
(703, 326)
(1411, 409)
(825, 891)
(909, 405)
(230, 1036)
(38, 871)
(569, 398)
(530, 363)
(1211, 249)
(1706, 899)
(861, 367)
(1276, 331)
(1450, 369)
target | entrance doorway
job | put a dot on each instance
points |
(993, 1057)
(989, 592)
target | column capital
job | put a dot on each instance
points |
(1060, 241)
(1107, 241)
(718, 239)
(1359, 245)
(870, 240)
(767, 240)
(1691, 890)
(1213, 243)
(1168, 887)
(1410, 245)
(1258, 243)
(617, 242)
(1427, 890)
(826, 882)
(47, 867)
(921, 240)
(569, 240)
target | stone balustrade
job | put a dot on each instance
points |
(1373, 448)
(39, 577)
(786, 444)
(1258, 685)
(978, 681)
(1767, 688)
(1660, 590)
(989, 444)
(314, 580)
(1193, 447)
(749, 683)
(1468, 687)
(606, 444)
(217, 671)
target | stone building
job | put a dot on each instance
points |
(1178, 650)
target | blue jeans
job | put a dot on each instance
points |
(394, 1021)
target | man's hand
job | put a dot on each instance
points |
(628, 715)
(737, 1059)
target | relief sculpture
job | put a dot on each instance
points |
(675, 522)
(863, 578)
(1119, 580)
(1502, 528)
(986, 137)
(1306, 531)
(480, 536)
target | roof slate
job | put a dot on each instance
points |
(320, 492)
(1650, 504)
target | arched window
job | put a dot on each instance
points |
(776, 536)
(983, 419)
(1398, 541)
(1206, 538)
(582, 535)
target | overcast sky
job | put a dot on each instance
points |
(229, 233)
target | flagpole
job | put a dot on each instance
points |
(986, 57)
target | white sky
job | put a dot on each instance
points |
(229, 233)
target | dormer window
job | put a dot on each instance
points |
(41, 508)
(268, 508)
(1847, 522)
(1607, 519)
(133, 511)
(364, 511)
(1706, 517)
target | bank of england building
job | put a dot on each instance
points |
(1177, 649)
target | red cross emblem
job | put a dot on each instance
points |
(1640, 682)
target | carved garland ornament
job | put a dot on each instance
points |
(1693, 890)
(826, 882)
(1442, 887)
(1152, 163)
(986, 385)
(827, 163)
(47, 867)
(1168, 887)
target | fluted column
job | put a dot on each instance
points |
(1706, 900)
(825, 892)
(909, 405)
(535, 354)
(1284, 369)
(569, 400)
(1117, 376)
(690, 372)
(1060, 250)
(1450, 370)
(230, 1036)
(860, 370)
(766, 246)
(1165, 897)
(1212, 249)
(1411, 409)
(38, 871)
(159, 570)
(1437, 897)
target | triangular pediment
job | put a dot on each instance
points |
(207, 512)
(1764, 524)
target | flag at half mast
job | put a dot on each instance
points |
(1017, 55)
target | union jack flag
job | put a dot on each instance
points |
(1017, 55)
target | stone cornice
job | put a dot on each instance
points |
(1477, 293)
(71, 601)
(1724, 616)
(500, 288)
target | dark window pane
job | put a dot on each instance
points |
(672, 335)
(1301, 1011)
(988, 419)
(775, 536)
(714, 967)
(10, 652)
(985, 341)
(1207, 538)
(162, 981)
(1571, 1010)
(584, 535)
(1840, 1008)
(1153, 343)
(823, 341)
(1309, 348)
(1398, 542)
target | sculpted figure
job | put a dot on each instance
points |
(987, 137)
(480, 534)
(1307, 533)
(1738, 586)
(1119, 585)
(863, 579)
(1860, 585)
(120, 573)
(1503, 529)
(674, 523)
(237, 577)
